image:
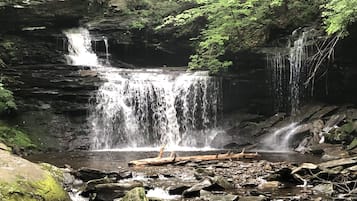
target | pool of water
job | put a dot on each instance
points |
(112, 160)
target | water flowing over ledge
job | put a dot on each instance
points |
(148, 108)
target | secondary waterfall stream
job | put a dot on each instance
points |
(288, 71)
(147, 107)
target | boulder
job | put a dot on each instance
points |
(107, 189)
(208, 184)
(194, 191)
(177, 190)
(23, 180)
(87, 174)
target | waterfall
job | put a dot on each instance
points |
(80, 51)
(288, 68)
(147, 107)
(278, 88)
(105, 39)
(279, 140)
(288, 71)
(297, 59)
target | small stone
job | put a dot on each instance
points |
(252, 198)
(136, 194)
(206, 195)
(324, 188)
(270, 185)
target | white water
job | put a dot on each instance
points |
(80, 51)
(279, 140)
(277, 65)
(297, 58)
(161, 194)
(105, 39)
(288, 73)
(142, 109)
(149, 109)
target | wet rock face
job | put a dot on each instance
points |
(53, 102)
(31, 31)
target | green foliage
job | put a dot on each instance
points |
(338, 15)
(234, 25)
(146, 13)
(15, 138)
(7, 102)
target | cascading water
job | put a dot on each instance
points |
(80, 51)
(142, 109)
(105, 39)
(288, 73)
(298, 59)
(148, 108)
(277, 67)
(279, 140)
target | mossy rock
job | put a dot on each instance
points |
(352, 145)
(22, 180)
(136, 194)
(53, 170)
(344, 134)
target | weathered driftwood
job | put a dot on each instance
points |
(174, 159)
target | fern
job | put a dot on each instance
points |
(7, 102)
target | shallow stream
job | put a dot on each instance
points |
(112, 160)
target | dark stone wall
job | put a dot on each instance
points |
(53, 101)
(339, 85)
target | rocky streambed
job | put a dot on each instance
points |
(264, 178)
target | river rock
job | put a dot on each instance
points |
(206, 195)
(109, 191)
(194, 191)
(252, 198)
(270, 185)
(202, 172)
(87, 174)
(177, 190)
(324, 188)
(208, 184)
(21, 179)
(136, 194)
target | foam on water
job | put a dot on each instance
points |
(161, 194)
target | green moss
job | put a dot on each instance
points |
(47, 189)
(15, 138)
(352, 145)
(136, 194)
(344, 134)
(53, 170)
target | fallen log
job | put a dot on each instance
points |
(174, 159)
